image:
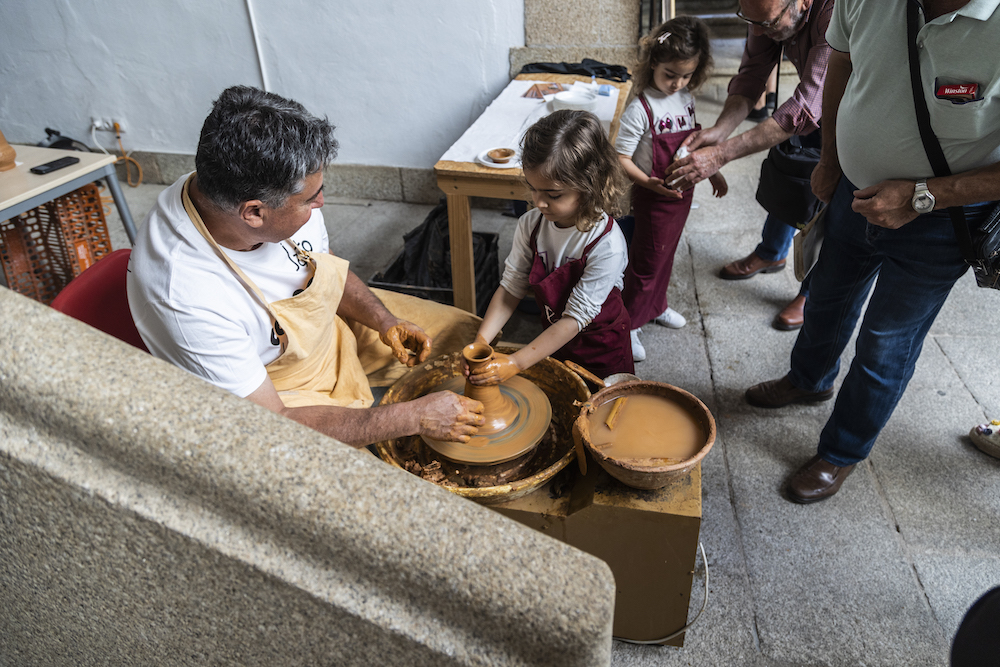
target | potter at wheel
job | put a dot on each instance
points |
(517, 416)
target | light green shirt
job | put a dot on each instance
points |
(877, 134)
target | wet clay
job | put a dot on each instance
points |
(517, 415)
(648, 427)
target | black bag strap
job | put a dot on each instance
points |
(935, 154)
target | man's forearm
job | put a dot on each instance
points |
(358, 427)
(360, 304)
(734, 111)
(968, 187)
(767, 134)
(837, 73)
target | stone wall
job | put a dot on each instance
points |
(149, 518)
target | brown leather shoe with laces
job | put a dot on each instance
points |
(779, 393)
(750, 266)
(816, 480)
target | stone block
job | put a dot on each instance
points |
(364, 182)
(150, 518)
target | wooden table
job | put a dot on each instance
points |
(461, 180)
(21, 191)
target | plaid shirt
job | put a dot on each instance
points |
(808, 51)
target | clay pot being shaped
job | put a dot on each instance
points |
(517, 415)
(499, 410)
(7, 154)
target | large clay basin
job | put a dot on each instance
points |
(646, 473)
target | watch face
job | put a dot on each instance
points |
(923, 204)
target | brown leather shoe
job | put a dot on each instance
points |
(779, 393)
(816, 480)
(750, 266)
(790, 318)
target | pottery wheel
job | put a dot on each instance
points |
(534, 412)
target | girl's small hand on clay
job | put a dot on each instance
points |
(500, 369)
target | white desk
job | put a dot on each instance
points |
(21, 191)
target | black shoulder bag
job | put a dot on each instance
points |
(980, 246)
(785, 187)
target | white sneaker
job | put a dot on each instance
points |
(670, 318)
(638, 351)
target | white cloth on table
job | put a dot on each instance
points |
(509, 116)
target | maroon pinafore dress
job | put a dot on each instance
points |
(658, 225)
(603, 346)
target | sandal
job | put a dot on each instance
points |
(986, 437)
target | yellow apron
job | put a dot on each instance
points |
(325, 360)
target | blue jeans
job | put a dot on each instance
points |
(775, 240)
(913, 269)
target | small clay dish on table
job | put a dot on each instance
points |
(500, 155)
(648, 472)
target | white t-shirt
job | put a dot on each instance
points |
(191, 309)
(605, 265)
(877, 135)
(671, 113)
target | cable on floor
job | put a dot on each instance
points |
(686, 627)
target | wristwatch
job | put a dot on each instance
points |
(923, 201)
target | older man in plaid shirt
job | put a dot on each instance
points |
(797, 27)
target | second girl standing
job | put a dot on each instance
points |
(674, 60)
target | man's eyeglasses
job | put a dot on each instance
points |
(766, 25)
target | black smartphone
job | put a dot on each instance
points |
(55, 164)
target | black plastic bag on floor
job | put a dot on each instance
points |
(423, 268)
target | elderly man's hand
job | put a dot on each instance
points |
(707, 137)
(684, 173)
(444, 415)
(408, 342)
(825, 177)
(886, 204)
(500, 369)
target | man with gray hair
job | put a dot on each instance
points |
(231, 279)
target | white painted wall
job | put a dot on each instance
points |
(401, 80)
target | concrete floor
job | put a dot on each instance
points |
(879, 575)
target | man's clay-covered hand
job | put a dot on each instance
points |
(409, 344)
(444, 415)
(499, 369)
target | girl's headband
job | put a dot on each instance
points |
(662, 38)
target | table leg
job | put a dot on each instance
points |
(116, 192)
(463, 270)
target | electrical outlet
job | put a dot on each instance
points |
(106, 124)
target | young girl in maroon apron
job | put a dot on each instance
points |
(576, 183)
(674, 59)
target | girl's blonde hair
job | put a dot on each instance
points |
(571, 148)
(681, 38)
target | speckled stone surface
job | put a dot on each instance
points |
(149, 518)
(572, 22)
